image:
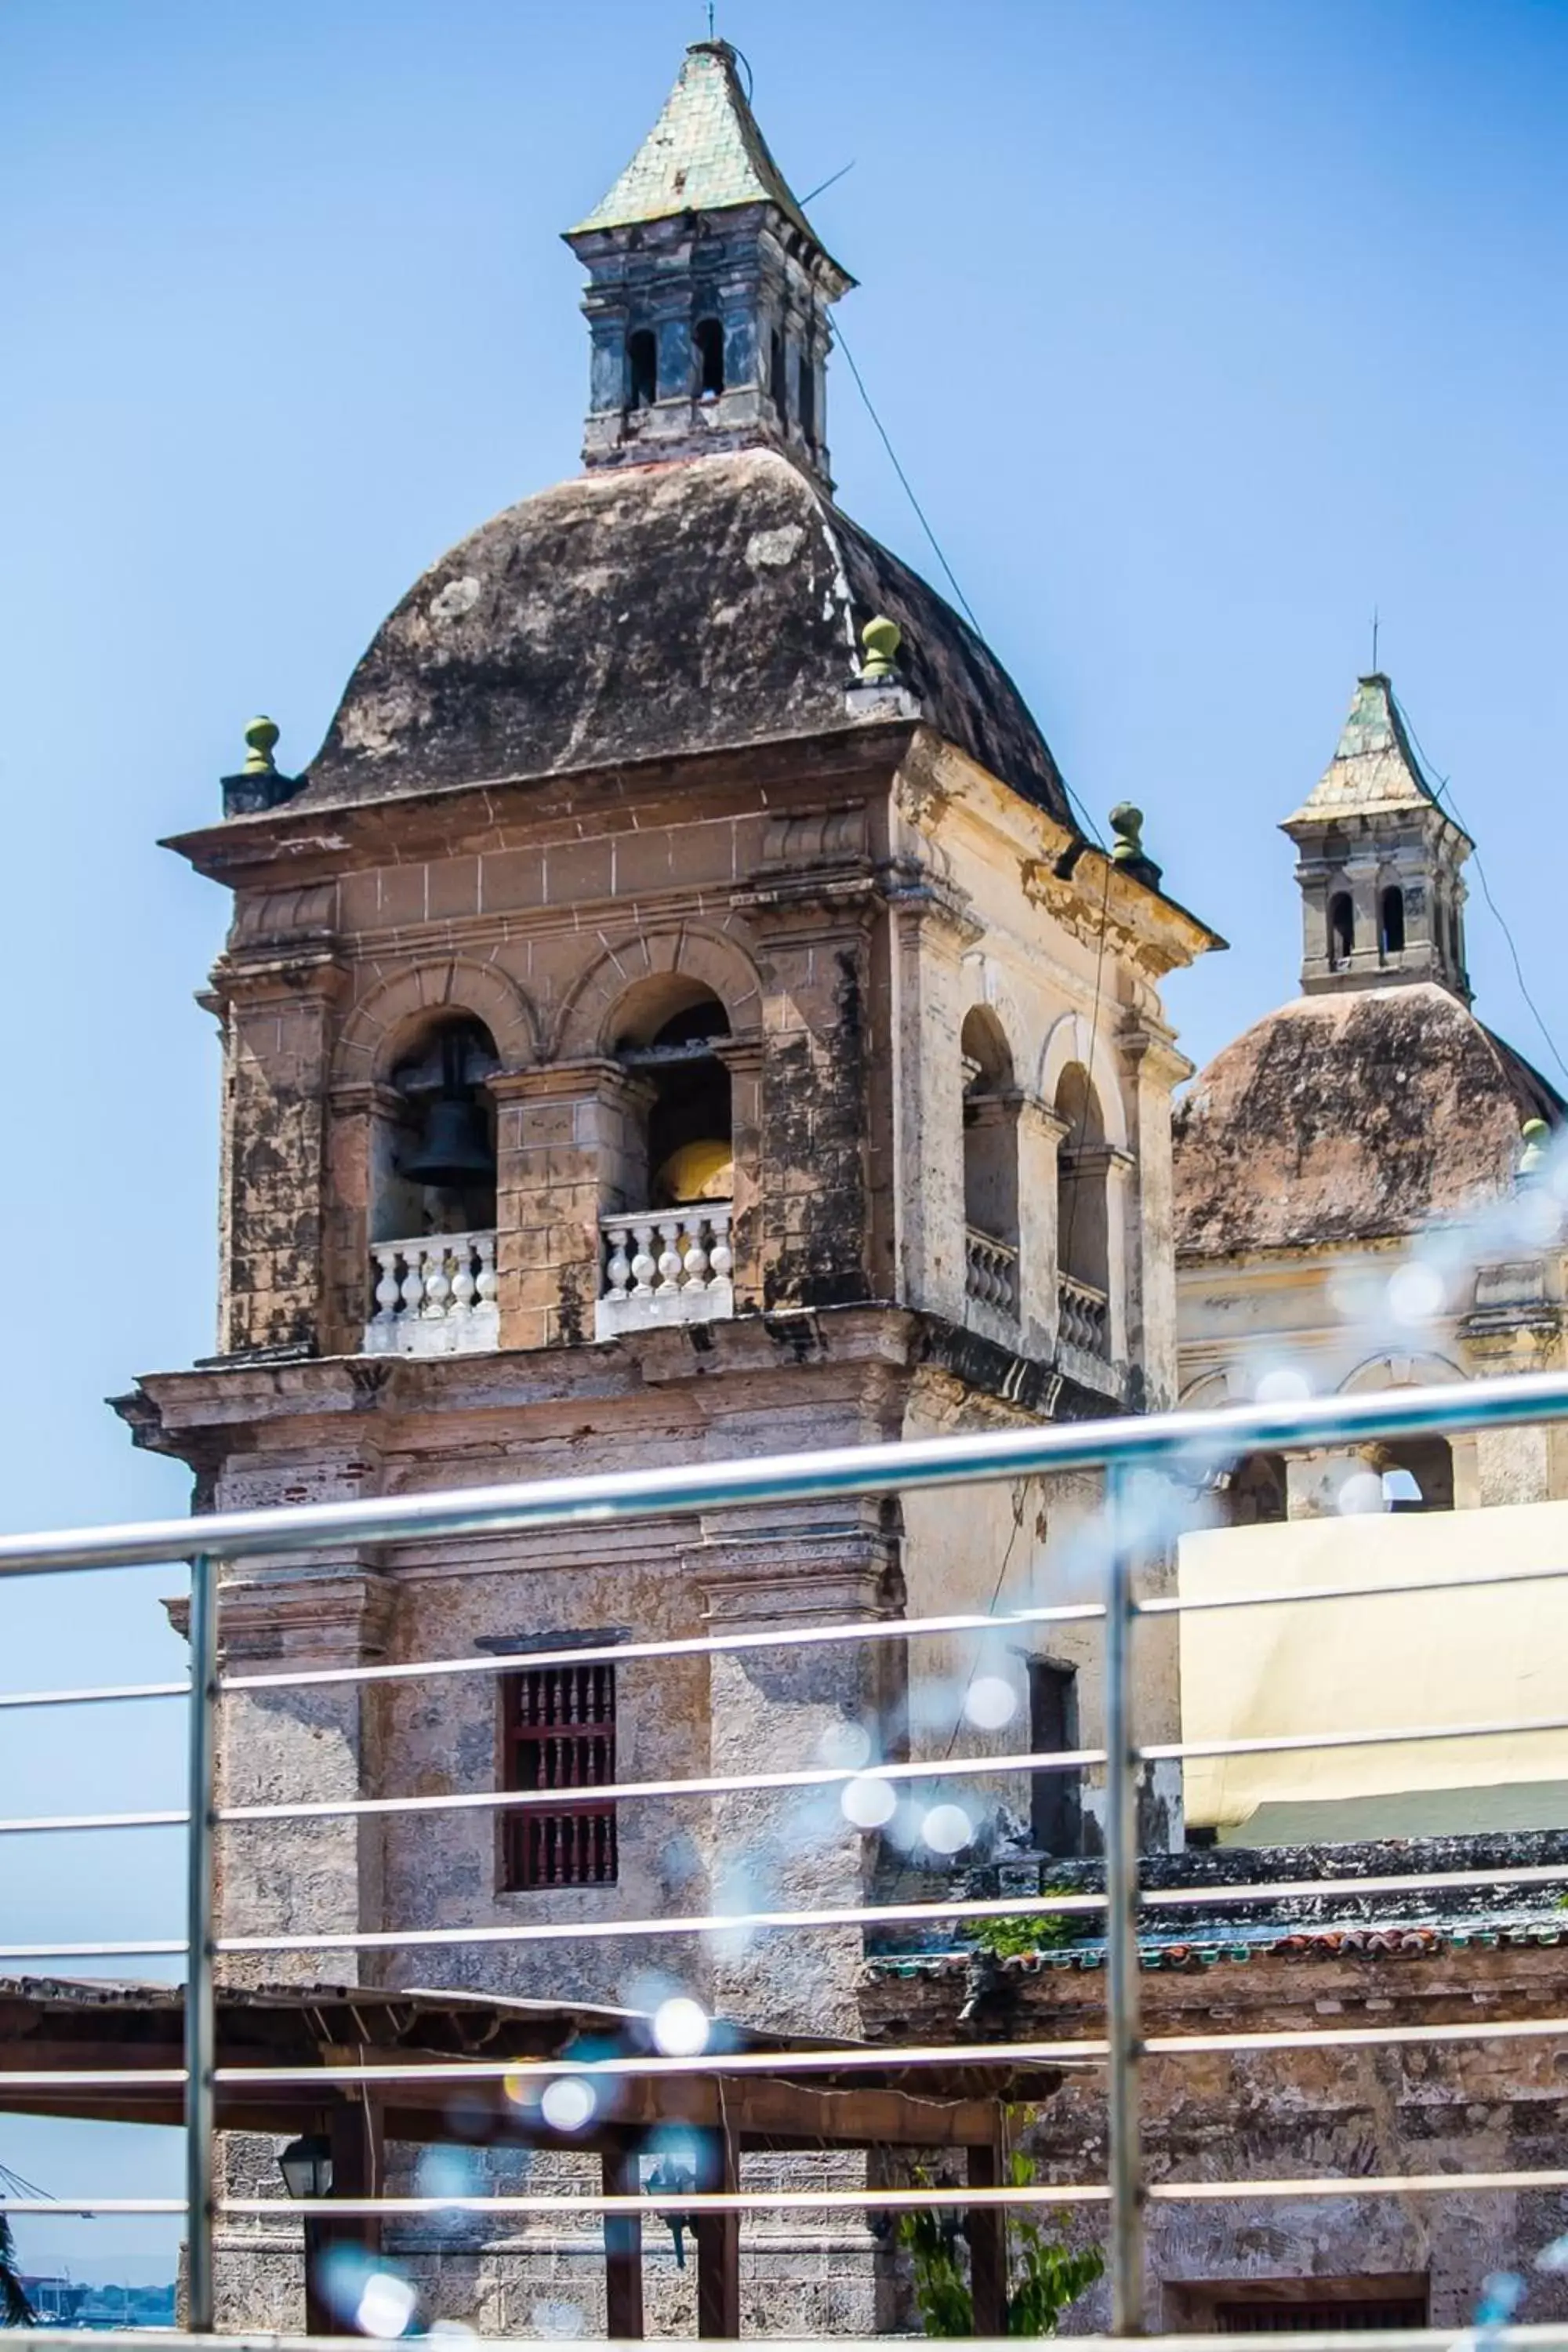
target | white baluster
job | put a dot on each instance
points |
(485, 1280)
(413, 1279)
(387, 1290)
(644, 1264)
(696, 1255)
(437, 1282)
(463, 1283)
(721, 1261)
(618, 1266)
(669, 1257)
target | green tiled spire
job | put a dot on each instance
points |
(1373, 766)
(705, 153)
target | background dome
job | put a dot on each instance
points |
(651, 611)
(1350, 1117)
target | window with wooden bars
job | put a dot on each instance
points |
(558, 1732)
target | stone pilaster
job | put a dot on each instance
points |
(569, 1143)
(931, 928)
(1154, 1067)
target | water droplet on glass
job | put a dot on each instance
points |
(1414, 1293)
(568, 2103)
(1362, 1491)
(1553, 2257)
(846, 1745)
(385, 2306)
(681, 2027)
(947, 1829)
(991, 1703)
(1282, 1384)
(868, 1800)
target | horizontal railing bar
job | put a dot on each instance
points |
(28, 1824)
(1182, 1443)
(1182, 1605)
(113, 1695)
(687, 1646)
(1159, 1898)
(66, 2209)
(1286, 1743)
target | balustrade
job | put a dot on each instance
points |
(673, 1267)
(991, 1272)
(1083, 1317)
(434, 1295)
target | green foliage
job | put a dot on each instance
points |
(1017, 1933)
(1044, 2276)
(16, 2311)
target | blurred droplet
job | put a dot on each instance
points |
(991, 1703)
(1501, 2293)
(947, 1829)
(1362, 1491)
(1553, 2257)
(568, 2103)
(385, 2306)
(448, 2172)
(556, 2319)
(1282, 1384)
(522, 2089)
(844, 1745)
(1416, 1293)
(869, 1802)
(681, 2027)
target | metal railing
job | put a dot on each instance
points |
(1185, 1450)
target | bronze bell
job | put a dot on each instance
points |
(456, 1150)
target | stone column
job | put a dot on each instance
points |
(930, 928)
(742, 1058)
(567, 1145)
(276, 1051)
(1154, 1067)
(1361, 880)
(1040, 1134)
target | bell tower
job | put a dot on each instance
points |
(709, 291)
(1382, 896)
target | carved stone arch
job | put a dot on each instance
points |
(1207, 1392)
(587, 1025)
(1071, 1039)
(1422, 1369)
(380, 1023)
(998, 1033)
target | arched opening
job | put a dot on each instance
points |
(435, 1168)
(1417, 1474)
(1255, 1492)
(642, 368)
(805, 402)
(778, 376)
(1390, 922)
(989, 1164)
(1455, 957)
(1341, 930)
(433, 1196)
(686, 1151)
(1083, 1221)
(708, 341)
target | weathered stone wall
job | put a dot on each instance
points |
(1476, 2106)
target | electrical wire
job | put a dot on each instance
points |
(1442, 789)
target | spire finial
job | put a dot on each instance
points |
(1374, 641)
(1535, 1137)
(1127, 845)
(260, 739)
(881, 639)
(710, 34)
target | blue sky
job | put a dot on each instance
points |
(1200, 329)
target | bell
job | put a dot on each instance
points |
(456, 1150)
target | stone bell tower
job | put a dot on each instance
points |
(673, 1016)
(1382, 895)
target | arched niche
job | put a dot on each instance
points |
(432, 1156)
(1083, 1216)
(990, 1128)
(679, 1118)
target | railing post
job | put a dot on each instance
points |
(200, 2004)
(1121, 1989)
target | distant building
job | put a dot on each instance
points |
(1347, 1215)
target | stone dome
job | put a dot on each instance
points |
(1350, 1117)
(654, 611)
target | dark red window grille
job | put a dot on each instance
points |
(559, 1733)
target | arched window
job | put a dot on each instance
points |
(1341, 930)
(682, 1150)
(989, 1164)
(642, 368)
(1255, 1494)
(806, 404)
(432, 1156)
(1083, 1225)
(1417, 1474)
(708, 339)
(1390, 922)
(778, 376)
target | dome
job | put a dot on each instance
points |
(654, 611)
(1350, 1117)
